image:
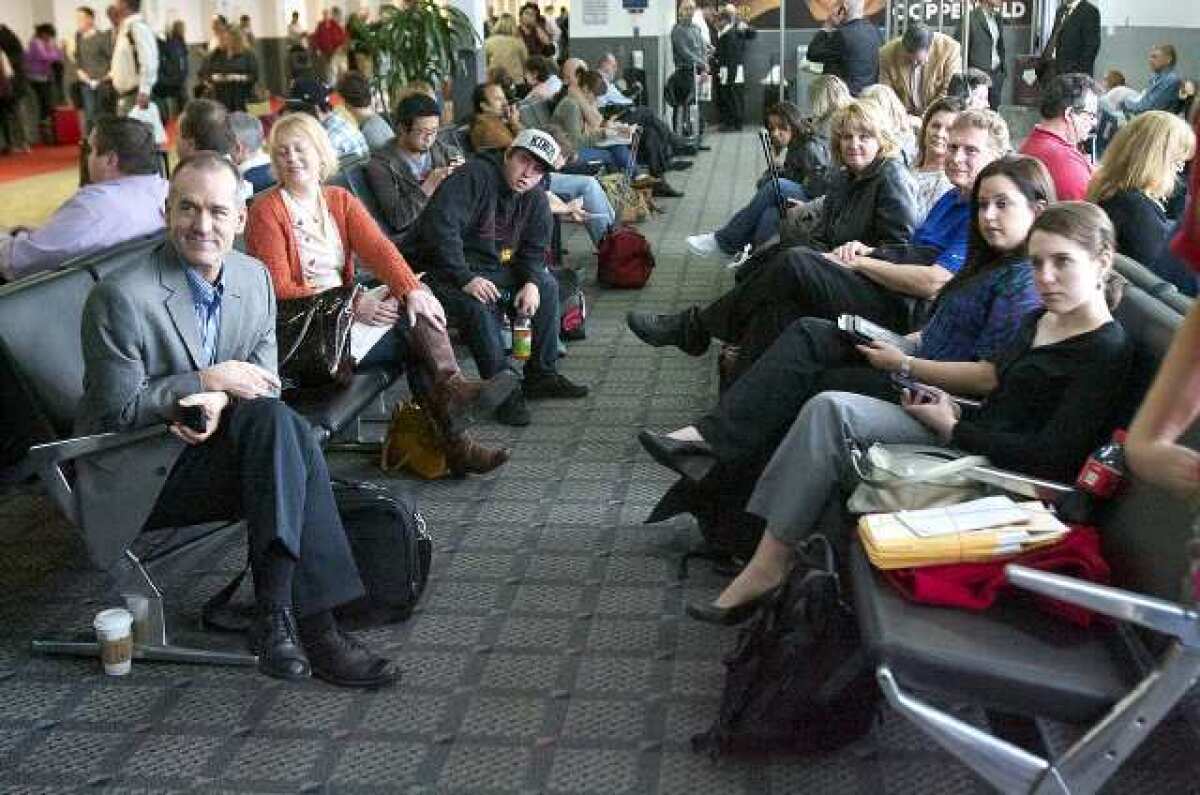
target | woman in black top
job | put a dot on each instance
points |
(1059, 388)
(870, 195)
(1136, 177)
(231, 71)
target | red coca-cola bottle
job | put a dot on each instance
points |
(1104, 472)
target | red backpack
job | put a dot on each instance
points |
(625, 259)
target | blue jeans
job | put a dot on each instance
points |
(569, 187)
(480, 323)
(615, 157)
(758, 221)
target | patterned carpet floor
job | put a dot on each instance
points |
(550, 654)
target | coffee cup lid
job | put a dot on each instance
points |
(115, 618)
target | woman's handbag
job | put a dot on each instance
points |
(413, 443)
(313, 335)
(899, 477)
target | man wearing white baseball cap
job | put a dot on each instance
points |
(481, 241)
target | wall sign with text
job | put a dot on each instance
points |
(807, 14)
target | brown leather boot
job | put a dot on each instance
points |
(456, 401)
(465, 456)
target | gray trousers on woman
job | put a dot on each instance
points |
(812, 461)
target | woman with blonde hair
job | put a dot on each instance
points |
(1137, 176)
(231, 70)
(871, 195)
(309, 236)
(897, 118)
(505, 50)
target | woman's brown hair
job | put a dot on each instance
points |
(1089, 227)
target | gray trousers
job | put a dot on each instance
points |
(812, 463)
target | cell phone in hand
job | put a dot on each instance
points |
(921, 393)
(191, 417)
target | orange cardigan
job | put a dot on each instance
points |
(269, 238)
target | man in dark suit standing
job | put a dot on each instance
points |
(985, 47)
(193, 327)
(851, 49)
(730, 61)
(1074, 40)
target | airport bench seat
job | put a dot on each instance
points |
(41, 385)
(1015, 659)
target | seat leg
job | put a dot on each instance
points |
(1098, 754)
(150, 631)
(1002, 764)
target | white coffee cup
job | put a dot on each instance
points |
(114, 631)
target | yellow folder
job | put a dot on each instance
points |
(892, 544)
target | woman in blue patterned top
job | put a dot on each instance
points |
(977, 314)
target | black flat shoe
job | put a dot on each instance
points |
(276, 641)
(680, 165)
(693, 460)
(728, 616)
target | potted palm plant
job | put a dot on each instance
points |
(419, 40)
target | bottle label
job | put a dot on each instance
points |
(522, 343)
(1099, 479)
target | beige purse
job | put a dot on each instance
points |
(899, 477)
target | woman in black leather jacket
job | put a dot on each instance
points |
(872, 194)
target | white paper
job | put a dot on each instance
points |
(981, 514)
(363, 337)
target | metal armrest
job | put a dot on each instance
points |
(1147, 611)
(50, 453)
(1023, 485)
(46, 460)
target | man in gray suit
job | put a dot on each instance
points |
(193, 327)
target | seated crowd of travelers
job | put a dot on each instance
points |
(1003, 288)
(903, 203)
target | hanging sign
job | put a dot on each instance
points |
(1013, 12)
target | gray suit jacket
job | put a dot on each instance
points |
(141, 348)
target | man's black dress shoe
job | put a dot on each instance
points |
(728, 616)
(276, 641)
(664, 191)
(514, 411)
(343, 660)
(682, 329)
(693, 460)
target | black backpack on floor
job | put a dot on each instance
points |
(798, 680)
(392, 549)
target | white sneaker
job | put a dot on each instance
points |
(740, 258)
(703, 245)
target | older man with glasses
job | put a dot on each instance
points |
(1070, 108)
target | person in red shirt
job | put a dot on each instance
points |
(1069, 106)
(327, 39)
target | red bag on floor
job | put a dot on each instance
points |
(977, 586)
(624, 258)
(66, 126)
